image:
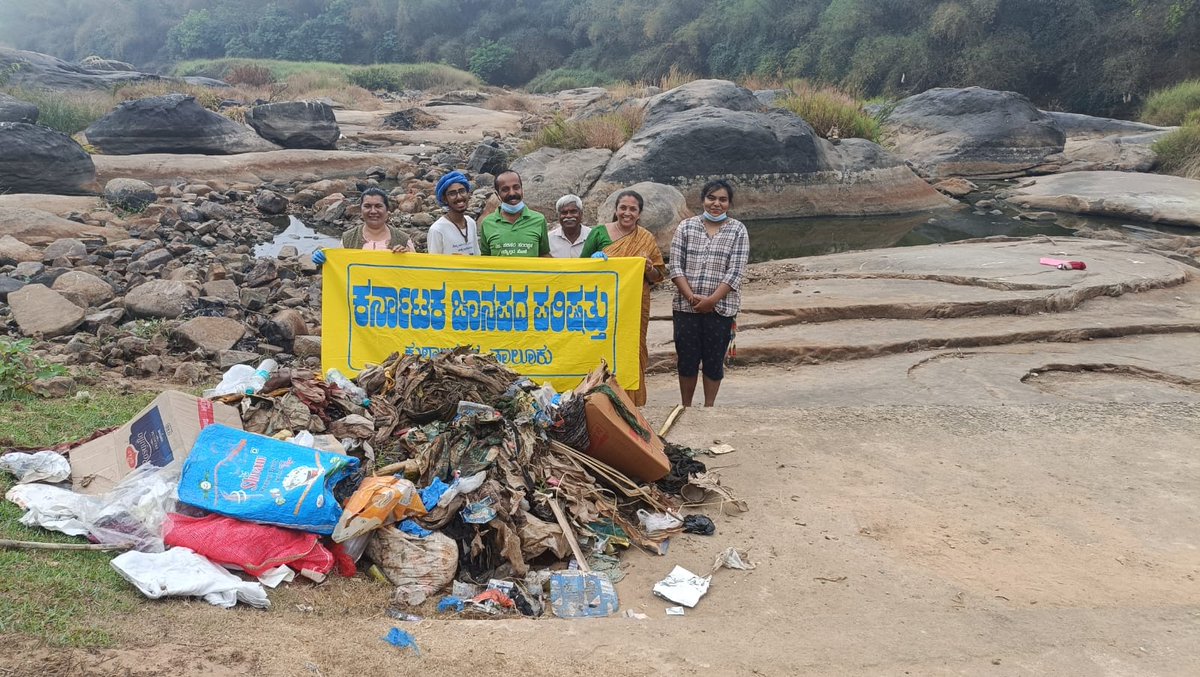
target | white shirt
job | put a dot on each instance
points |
(562, 248)
(445, 238)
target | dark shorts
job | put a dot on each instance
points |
(702, 338)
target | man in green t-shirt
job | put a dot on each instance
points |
(513, 229)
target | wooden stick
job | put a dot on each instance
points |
(570, 534)
(411, 465)
(662, 432)
(37, 545)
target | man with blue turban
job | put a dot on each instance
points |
(454, 233)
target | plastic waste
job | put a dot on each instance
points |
(135, 510)
(682, 587)
(179, 572)
(235, 380)
(658, 521)
(42, 466)
(578, 594)
(253, 548)
(261, 375)
(52, 508)
(378, 501)
(699, 524)
(418, 567)
(357, 394)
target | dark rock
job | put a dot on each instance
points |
(148, 365)
(16, 110)
(296, 124)
(47, 72)
(101, 318)
(129, 194)
(487, 158)
(254, 298)
(9, 285)
(265, 272)
(270, 202)
(173, 123)
(721, 94)
(213, 211)
(36, 159)
(972, 132)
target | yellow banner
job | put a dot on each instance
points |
(549, 319)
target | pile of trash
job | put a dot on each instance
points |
(452, 478)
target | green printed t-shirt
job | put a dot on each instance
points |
(527, 237)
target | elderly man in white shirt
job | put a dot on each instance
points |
(566, 239)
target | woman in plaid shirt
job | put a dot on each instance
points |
(708, 260)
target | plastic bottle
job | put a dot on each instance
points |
(259, 379)
(235, 380)
(337, 378)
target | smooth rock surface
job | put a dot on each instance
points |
(129, 194)
(37, 159)
(159, 298)
(1157, 198)
(296, 124)
(83, 289)
(173, 123)
(39, 310)
(13, 251)
(16, 110)
(550, 173)
(210, 334)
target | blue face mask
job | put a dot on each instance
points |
(512, 209)
(715, 219)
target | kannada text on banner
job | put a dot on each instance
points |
(548, 319)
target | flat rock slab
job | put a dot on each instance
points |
(279, 165)
(1157, 198)
(457, 124)
(37, 227)
(39, 310)
(59, 205)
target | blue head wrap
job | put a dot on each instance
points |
(448, 180)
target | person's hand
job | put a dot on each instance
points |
(704, 304)
(600, 255)
(318, 257)
(409, 248)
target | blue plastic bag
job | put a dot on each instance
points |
(402, 640)
(259, 479)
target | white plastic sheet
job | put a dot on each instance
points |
(179, 572)
(682, 587)
(52, 508)
(42, 466)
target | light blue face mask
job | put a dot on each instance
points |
(512, 209)
(715, 219)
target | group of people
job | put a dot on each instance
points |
(708, 252)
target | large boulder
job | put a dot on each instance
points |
(663, 208)
(130, 194)
(38, 227)
(1157, 198)
(1115, 153)
(550, 173)
(487, 158)
(160, 298)
(83, 289)
(296, 124)
(173, 123)
(210, 334)
(1077, 125)
(780, 167)
(39, 310)
(16, 110)
(13, 251)
(716, 93)
(36, 159)
(42, 71)
(972, 132)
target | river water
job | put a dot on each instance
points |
(791, 238)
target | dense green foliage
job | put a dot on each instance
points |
(1094, 56)
(390, 76)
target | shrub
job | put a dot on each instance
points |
(610, 130)
(205, 96)
(828, 109)
(567, 78)
(398, 77)
(511, 101)
(254, 75)
(1171, 105)
(66, 111)
(1179, 152)
(20, 366)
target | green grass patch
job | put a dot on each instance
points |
(558, 79)
(66, 111)
(391, 76)
(62, 597)
(1179, 152)
(831, 110)
(1172, 105)
(610, 130)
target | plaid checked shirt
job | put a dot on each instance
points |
(706, 262)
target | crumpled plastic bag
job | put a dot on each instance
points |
(42, 466)
(52, 508)
(658, 521)
(378, 501)
(418, 567)
(179, 572)
(134, 511)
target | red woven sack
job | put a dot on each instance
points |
(254, 548)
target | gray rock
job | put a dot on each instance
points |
(39, 310)
(769, 97)
(129, 194)
(191, 373)
(306, 346)
(97, 63)
(148, 365)
(56, 386)
(83, 289)
(1157, 198)
(228, 358)
(159, 298)
(67, 247)
(550, 173)
(664, 208)
(265, 272)
(1077, 126)
(253, 298)
(47, 72)
(215, 211)
(13, 251)
(270, 202)
(222, 289)
(28, 269)
(36, 159)
(296, 124)
(173, 123)
(288, 251)
(16, 110)
(487, 158)
(422, 220)
(972, 132)
(154, 258)
(107, 317)
(9, 285)
(697, 93)
(210, 334)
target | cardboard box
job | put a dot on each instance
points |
(161, 434)
(615, 443)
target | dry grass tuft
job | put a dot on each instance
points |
(610, 130)
(511, 101)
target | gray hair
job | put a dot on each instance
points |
(566, 200)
